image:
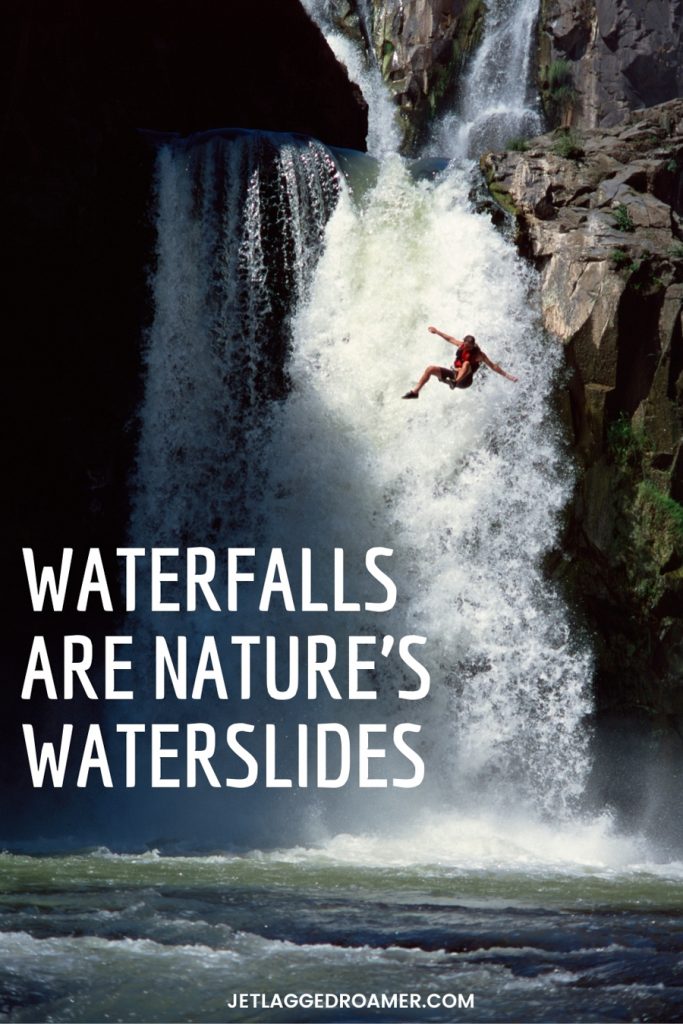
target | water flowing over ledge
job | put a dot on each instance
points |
(291, 307)
(290, 317)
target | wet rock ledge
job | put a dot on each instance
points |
(600, 214)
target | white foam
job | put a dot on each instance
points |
(466, 486)
(452, 842)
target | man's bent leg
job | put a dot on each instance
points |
(464, 376)
(430, 371)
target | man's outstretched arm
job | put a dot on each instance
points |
(446, 337)
(498, 369)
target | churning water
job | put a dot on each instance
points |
(113, 937)
(273, 417)
(466, 486)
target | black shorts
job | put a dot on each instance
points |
(448, 373)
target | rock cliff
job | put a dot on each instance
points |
(595, 60)
(610, 56)
(600, 215)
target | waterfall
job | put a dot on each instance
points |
(469, 486)
(362, 68)
(290, 316)
(498, 102)
(240, 221)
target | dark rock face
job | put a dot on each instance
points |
(165, 66)
(79, 80)
(624, 54)
(605, 230)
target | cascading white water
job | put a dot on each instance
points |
(383, 132)
(498, 103)
(240, 222)
(466, 487)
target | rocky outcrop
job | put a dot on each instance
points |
(420, 46)
(601, 217)
(620, 55)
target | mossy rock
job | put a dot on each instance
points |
(469, 29)
(388, 51)
(662, 518)
(502, 197)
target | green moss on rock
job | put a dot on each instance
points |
(388, 51)
(665, 513)
(503, 198)
(497, 190)
(469, 30)
(648, 523)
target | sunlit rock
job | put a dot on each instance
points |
(604, 229)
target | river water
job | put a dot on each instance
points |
(100, 936)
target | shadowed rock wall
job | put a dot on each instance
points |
(79, 78)
(604, 226)
(622, 54)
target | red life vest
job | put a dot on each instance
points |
(462, 357)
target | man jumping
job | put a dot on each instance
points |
(468, 359)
